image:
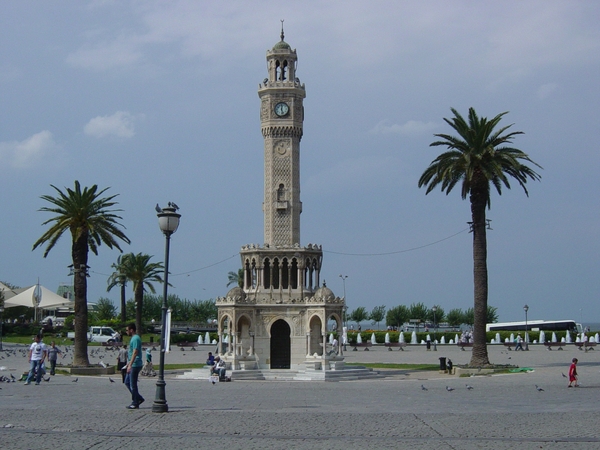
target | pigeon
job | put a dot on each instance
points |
(449, 388)
(47, 380)
(539, 389)
(469, 387)
(423, 388)
(111, 380)
(12, 376)
(158, 208)
(564, 376)
(75, 380)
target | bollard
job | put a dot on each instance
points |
(442, 363)
(449, 366)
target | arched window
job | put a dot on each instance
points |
(275, 282)
(267, 274)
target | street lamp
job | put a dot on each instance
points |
(1, 320)
(526, 308)
(345, 324)
(434, 309)
(168, 221)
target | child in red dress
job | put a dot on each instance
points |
(573, 373)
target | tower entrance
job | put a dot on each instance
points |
(280, 345)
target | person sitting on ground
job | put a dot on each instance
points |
(211, 359)
(219, 368)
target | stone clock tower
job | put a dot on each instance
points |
(278, 318)
(281, 119)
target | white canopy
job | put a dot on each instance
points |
(27, 298)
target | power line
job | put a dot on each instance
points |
(398, 251)
(206, 267)
(325, 251)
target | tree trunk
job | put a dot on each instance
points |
(123, 304)
(139, 300)
(479, 356)
(79, 253)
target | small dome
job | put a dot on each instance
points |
(237, 293)
(282, 45)
(324, 294)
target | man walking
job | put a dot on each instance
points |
(53, 352)
(134, 367)
(37, 354)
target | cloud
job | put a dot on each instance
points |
(412, 127)
(29, 152)
(545, 90)
(120, 124)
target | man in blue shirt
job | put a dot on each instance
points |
(134, 367)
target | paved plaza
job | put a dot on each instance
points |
(500, 412)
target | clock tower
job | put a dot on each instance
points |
(281, 118)
(277, 318)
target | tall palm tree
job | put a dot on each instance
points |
(479, 157)
(118, 277)
(142, 273)
(91, 221)
(236, 278)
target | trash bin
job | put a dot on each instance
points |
(151, 338)
(428, 345)
(443, 363)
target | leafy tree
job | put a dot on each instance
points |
(236, 278)
(118, 277)
(455, 317)
(377, 315)
(91, 221)
(439, 315)
(397, 316)
(418, 311)
(105, 310)
(360, 314)
(480, 156)
(492, 314)
(469, 317)
(138, 269)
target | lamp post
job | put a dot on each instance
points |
(345, 321)
(1, 321)
(434, 309)
(526, 308)
(168, 221)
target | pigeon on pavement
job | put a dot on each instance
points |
(539, 389)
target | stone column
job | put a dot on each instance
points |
(308, 344)
(324, 351)
(220, 350)
(251, 343)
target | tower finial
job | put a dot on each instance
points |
(282, 35)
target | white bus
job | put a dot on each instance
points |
(536, 325)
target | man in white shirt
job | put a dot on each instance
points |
(37, 355)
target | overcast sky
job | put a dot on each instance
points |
(158, 101)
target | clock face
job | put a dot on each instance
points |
(282, 109)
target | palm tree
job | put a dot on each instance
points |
(236, 278)
(91, 221)
(142, 273)
(118, 277)
(479, 157)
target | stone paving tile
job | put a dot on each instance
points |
(501, 412)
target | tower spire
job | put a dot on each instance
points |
(282, 35)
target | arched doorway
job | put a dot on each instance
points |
(280, 345)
